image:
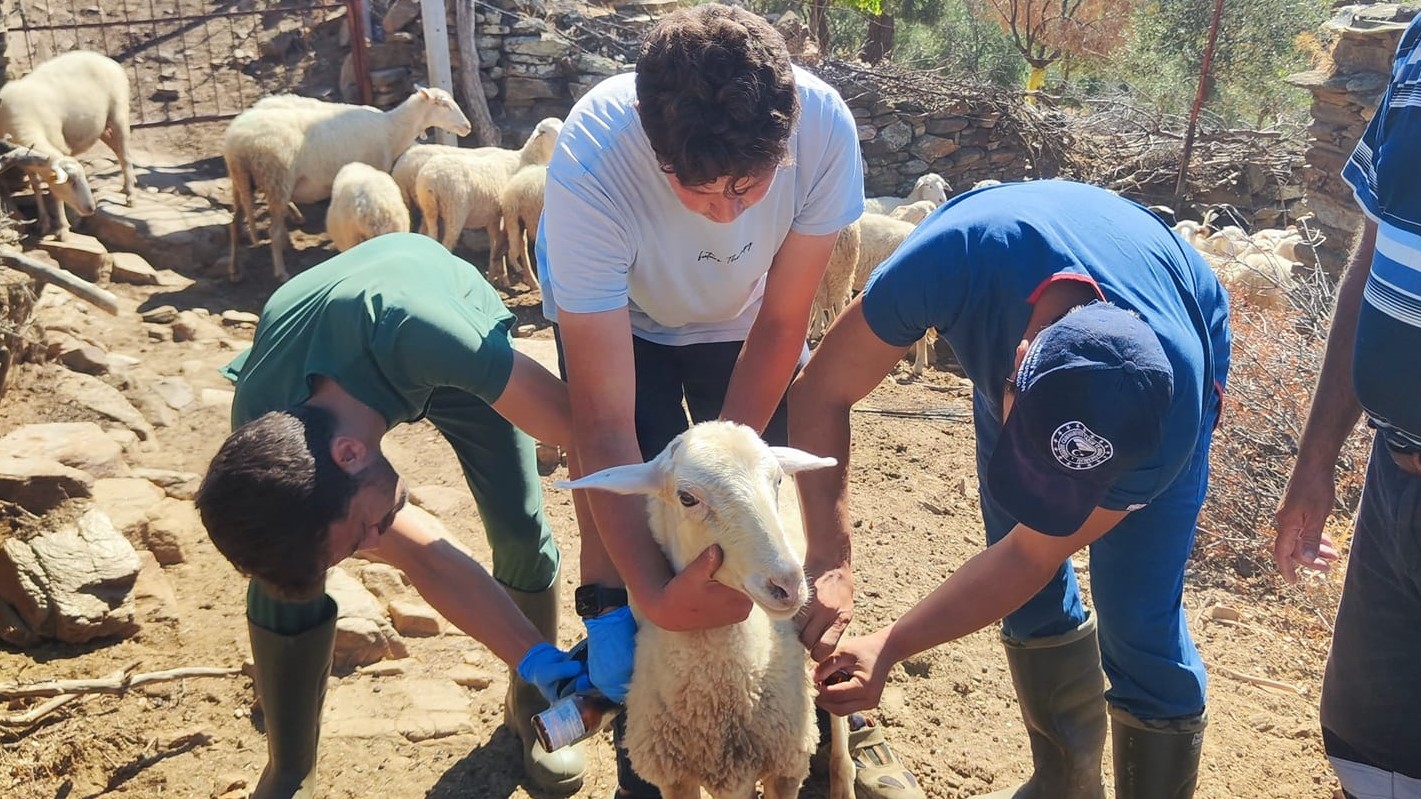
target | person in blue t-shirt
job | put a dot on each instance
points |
(1370, 695)
(1097, 342)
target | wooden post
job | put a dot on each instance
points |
(475, 102)
(1198, 99)
(436, 53)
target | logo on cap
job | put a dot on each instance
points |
(1077, 447)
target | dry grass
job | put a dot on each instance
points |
(1277, 356)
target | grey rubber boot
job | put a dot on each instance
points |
(557, 772)
(290, 675)
(1156, 759)
(1061, 690)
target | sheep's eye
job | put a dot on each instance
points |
(687, 499)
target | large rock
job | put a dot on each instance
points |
(79, 445)
(153, 594)
(74, 584)
(169, 526)
(103, 399)
(39, 484)
(172, 231)
(81, 255)
(130, 267)
(128, 501)
(363, 632)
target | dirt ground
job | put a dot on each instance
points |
(951, 713)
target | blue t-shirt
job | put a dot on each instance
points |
(973, 269)
(1382, 172)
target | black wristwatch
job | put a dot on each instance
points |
(594, 600)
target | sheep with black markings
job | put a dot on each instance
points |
(62, 108)
(365, 203)
(726, 707)
(290, 150)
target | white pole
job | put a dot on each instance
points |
(436, 53)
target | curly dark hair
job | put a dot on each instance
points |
(270, 496)
(716, 94)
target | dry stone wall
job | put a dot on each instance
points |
(1345, 97)
(533, 67)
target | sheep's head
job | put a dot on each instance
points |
(442, 112)
(539, 147)
(718, 483)
(931, 186)
(67, 181)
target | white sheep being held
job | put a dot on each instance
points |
(290, 150)
(726, 707)
(61, 109)
(365, 203)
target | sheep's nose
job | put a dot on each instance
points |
(784, 592)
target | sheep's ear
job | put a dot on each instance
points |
(424, 92)
(633, 478)
(58, 175)
(797, 460)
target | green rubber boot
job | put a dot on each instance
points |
(1156, 759)
(557, 772)
(290, 676)
(1061, 690)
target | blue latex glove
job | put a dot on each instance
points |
(611, 645)
(551, 670)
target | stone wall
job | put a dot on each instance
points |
(538, 67)
(1345, 96)
(909, 125)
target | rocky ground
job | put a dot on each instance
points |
(108, 572)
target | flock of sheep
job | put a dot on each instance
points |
(296, 149)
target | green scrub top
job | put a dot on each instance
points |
(390, 321)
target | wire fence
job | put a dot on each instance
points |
(188, 60)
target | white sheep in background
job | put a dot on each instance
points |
(985, 182)
(62, 108)
(455, 192)
(463, 189)
(881, 236)
(365, 203)
(522, 203)
(536, 149)
(914, 212)
(1229, 240)
(835, 287)
(726, 707)
(407, 166)
(290, 150)
(931, 186)
(1257, 278)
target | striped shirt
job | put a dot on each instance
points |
(1383, 174)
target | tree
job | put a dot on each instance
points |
(819, 16)
(1043, 31)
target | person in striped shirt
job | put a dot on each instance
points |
(1371, 697)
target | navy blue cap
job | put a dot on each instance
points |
(1091, 398)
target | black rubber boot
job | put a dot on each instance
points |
(1156, 759)
(1061, 690)
(290, 675)
(557, 772)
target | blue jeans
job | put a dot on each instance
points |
(1371, 698)
(1137, 583)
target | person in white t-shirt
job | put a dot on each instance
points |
(690, 211)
